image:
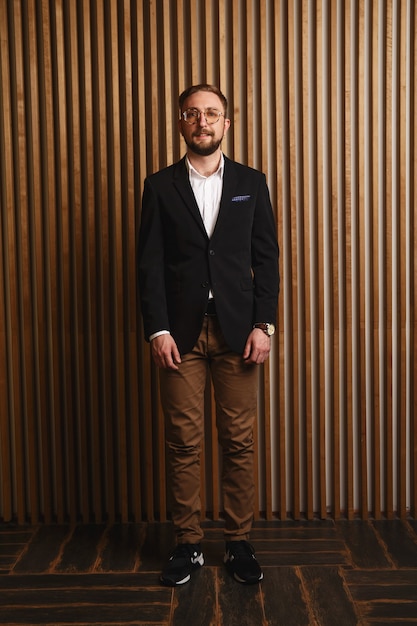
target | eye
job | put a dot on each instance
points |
(212, 115)
(192, 114)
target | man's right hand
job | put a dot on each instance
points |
(165, 352)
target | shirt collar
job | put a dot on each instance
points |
(193, 172)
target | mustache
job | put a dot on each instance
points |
(198, 133)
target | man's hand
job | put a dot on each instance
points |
(165, 352)
(257, 347)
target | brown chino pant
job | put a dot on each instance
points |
(182, 396)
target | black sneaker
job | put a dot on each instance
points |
(241, 562)
(185, 558)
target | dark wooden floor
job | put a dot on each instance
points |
(322, 573)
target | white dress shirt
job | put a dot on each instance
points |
(208, 192)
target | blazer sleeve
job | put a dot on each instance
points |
(265, 254)
(150, 265)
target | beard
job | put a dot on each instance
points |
(203, 149)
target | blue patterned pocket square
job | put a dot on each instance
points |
(240, 198)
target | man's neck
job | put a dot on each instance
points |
(205, 165)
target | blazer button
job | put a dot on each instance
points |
(212, 253)
(205, 284)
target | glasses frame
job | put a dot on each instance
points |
(183, 114)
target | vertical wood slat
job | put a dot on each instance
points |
(6, 175)
(265, 83)
(316, 484)
(48, 460)
(380, 306)
(411, 176)
(88, 108)
(285, 384)
(353, 125)
(296, 97)
(342, 399)
(52, 223)
(93, 249)
(390, 453)
(306, 384)
(282, 197)
(21, 236)
(302, 432)
(64, 230)
(399, 40)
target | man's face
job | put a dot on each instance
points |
(203, 138)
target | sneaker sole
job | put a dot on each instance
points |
(173, 583)
(247, 582)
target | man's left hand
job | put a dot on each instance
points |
(257, 348)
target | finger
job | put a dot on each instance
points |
(246, 352)
(176, 357)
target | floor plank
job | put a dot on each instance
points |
(239, 605)
(283, 598)
(121, 552)
(364, 547)
(195, 603)
(400, 542)
(326, 596)
(92, 614)
(81, 550)
(43, 549)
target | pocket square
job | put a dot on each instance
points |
(240, 198)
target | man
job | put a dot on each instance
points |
(208, 281)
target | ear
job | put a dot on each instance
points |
(180, 126)
(227, 124)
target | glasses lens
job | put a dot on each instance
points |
(212, 116)
(191, 116)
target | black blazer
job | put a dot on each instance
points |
(178, 263)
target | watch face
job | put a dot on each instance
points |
(270, 329)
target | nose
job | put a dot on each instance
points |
(202, 119)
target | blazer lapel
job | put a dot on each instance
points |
(229, 188)
(182, 185)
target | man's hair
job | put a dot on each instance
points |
(203, 87)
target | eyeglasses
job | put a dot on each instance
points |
(191, 116)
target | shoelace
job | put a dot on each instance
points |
(184, 550)
(241, 549)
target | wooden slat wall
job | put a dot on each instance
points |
(322, 96)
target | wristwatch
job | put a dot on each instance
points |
(269, 329)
